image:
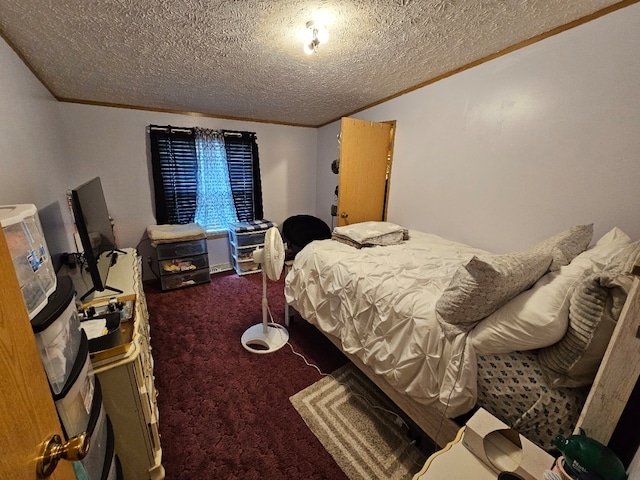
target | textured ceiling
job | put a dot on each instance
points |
(244, 58)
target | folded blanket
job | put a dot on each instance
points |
(175, 233)
(370, 234)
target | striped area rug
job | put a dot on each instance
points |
(347, 413)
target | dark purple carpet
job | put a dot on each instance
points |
(225, 412)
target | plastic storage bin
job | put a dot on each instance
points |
(112, 469)
(94, 462)
(30, 255)
(74, 401)
(248, 266)
(181, 249)
(186, 279)
(245, 239)
(57, 331)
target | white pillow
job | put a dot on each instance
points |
(539, 317)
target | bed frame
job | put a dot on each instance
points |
(614, 382)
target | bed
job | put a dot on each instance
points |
(443, 327)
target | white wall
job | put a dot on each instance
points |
(518, 148)
(113, 143)
(32, 150)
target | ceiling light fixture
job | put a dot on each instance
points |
(314, 36)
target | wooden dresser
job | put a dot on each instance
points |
(126, 373)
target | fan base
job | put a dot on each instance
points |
(255, 340)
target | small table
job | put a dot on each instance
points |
(455, 462)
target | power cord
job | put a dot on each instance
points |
(398, 420)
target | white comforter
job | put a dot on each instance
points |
(380, 302)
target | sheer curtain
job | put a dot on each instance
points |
(215, 208)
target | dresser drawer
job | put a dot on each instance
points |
(185, 279)
(172, 266)
(243, 254)
(181, 249)
(248, 238)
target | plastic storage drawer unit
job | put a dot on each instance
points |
(93, 463)
(29, 254)
(244, 238)
(182, 264)
(74, 401)
(112, 469)
(57, 331)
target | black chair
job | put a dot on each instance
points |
(300, 230)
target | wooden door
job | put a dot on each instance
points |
(366, 154)
(27, 412)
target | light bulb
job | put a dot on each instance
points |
(314, 36)
(309, 48)
(308, 34)
(323, 35)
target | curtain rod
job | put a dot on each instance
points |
(237, 133)
(169, 128)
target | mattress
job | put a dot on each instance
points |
(380, 303)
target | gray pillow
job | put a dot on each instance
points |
(565, 246)
(594, 309)
(484, 284)
(575, 359)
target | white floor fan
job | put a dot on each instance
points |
(267, 337)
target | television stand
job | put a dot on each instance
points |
(114, 257)
(120, 280)
(106, 287)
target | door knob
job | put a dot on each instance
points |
(53, 451)
(344, 215)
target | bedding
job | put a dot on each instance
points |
(171, 233)
(381, 303)
(370, 234)
(521, 361)
(594, 309)
(513, 387)
(539, 317)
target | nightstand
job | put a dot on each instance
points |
(484, 447)
(455, 462)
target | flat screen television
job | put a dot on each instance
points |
(96, 233)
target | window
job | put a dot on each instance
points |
(207, 176)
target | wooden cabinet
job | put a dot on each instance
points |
(181, 264)
(126, 376)
(366, 155)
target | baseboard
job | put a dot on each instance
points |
(220, 267)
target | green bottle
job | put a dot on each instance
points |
(585, 455)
